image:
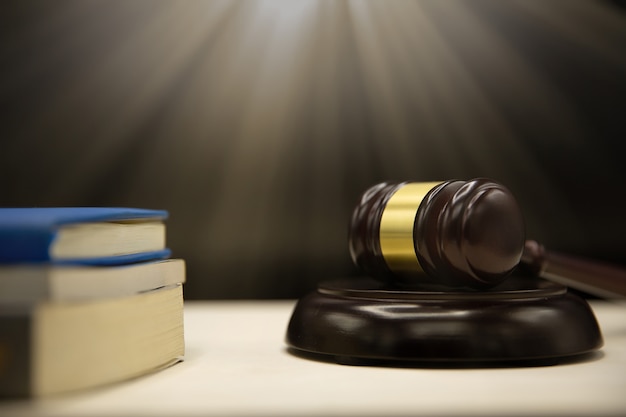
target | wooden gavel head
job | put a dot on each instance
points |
(454, 233)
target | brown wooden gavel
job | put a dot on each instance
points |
(460, 234)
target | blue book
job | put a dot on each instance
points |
(82, 235)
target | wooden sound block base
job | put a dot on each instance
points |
(361, 321)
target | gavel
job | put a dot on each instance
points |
(460, 234)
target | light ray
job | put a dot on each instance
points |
(257, 123)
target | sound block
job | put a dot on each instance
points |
(362, 321)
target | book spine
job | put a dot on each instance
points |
(25, 245)
(113, 260)
(15, 354)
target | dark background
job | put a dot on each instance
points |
(257, 124)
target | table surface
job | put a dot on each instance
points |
(236, 363)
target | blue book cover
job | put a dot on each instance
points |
(29, 235)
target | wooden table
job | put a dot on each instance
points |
(237, 364)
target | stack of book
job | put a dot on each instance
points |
(88, 296)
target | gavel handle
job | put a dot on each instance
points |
(593, 277)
